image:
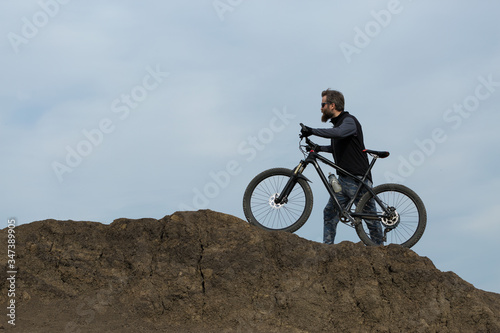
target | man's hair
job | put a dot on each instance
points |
(334, 97)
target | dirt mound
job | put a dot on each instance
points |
(210, 272)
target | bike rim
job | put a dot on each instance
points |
(269, 214)
(408, 219)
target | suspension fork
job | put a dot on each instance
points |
(297, 174)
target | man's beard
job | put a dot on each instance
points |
(326, 116)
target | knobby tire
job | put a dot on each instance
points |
(258, 201)
(413, 216)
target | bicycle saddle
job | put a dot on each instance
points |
(381, 154)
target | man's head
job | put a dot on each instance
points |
(332, 104)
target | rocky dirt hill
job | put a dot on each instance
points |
(210, 272)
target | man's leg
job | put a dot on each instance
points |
(376, 233)
(331, 217)
(374, 226)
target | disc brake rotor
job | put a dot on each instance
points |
(273, 203)
(392, 220)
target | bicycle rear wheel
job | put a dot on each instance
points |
(261, 210)
(406, 224)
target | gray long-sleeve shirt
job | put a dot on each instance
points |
(347, 144)
(347, 128)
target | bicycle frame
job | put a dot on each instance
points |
(312, 158)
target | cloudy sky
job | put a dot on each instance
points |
(143, 108)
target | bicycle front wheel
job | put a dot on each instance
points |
(406, 223)
(261, 210)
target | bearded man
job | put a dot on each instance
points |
(347, 148)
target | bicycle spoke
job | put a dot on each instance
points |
(275, 216)
(405, 225)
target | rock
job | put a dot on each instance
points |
(210, 272)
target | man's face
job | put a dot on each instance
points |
(328, 110)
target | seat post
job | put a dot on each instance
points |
(372, 163)
(370, 167)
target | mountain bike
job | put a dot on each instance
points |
(281, 199)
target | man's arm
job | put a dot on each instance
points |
(326, 149)
(347, 128)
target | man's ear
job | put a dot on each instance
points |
(334, 107)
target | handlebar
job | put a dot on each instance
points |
(311, 146)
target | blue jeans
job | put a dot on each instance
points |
(332, 216)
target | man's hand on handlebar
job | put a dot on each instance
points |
(311, 146)
(305, 131)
